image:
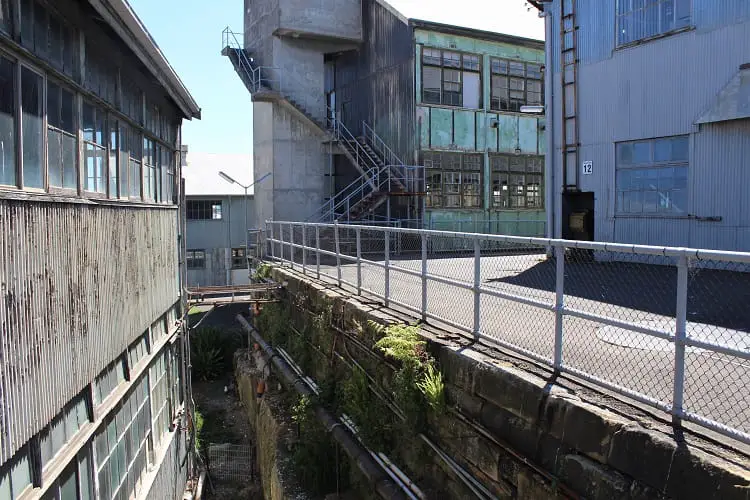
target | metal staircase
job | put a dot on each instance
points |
(382, 173)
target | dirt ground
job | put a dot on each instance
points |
(225, 421)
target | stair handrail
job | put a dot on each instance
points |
(389, 156)
(342, 133)
(372, 179)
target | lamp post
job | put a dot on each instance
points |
(247, 236)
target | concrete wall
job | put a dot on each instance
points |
(217, 238)
(323, 18)
(451, 128)
(660, 88)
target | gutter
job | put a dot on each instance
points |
(122, 19)
(385, 486)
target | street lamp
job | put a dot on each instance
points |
(247, 229)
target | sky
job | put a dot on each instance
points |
(189, 34)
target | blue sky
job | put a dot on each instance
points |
(189, 34)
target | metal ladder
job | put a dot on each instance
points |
(569, 70)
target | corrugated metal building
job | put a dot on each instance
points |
(361, 113)
(657, 127)
(90, 383)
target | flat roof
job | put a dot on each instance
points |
(475, 33)
(121, 17)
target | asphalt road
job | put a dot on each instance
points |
(717, 386)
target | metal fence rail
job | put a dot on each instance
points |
(667, 327)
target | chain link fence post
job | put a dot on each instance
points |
(317, 252)
(424, 276)
(281, 243)
(338, 251)
(359, 261)
(680, 334)
(387, 291)
(271, 243)
(291, 244)
(477, 284)
(559, 304)
(304, 250)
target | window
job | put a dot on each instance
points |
(152, 119)
(114, 160)
(451, 78)
(32, 109)
(108, 379)
(151, 176)
(168, 172)
(160, 397)
(639, 19)
(238, 258)
(158, 330)
(7, 122)
(63, 428)
(48, 36)
(122, 444)
(652, 176)
(131, 150)
(203, 209)
(454, 180)
(101, 75)
(132, 100)
(196, 259)
(74, 482)
(6, 15)
(61, 137)
(138, 350)
(515, 84)
(16, 478)
(517, 181)
(95, 148)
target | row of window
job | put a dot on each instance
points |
(116, 159)
(454, 180)
(122, 444)
(203, 209)
(196, 258)
(455, 79)
(640, 19)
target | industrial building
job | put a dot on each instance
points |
(363, 114)
(217, 214)
(650, 118)
(91, 388)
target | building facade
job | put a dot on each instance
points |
(361, 113)
(650, 118)
(215, 234)
(91, 387)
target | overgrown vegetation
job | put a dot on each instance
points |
(211, 351)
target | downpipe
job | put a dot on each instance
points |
(384, 484)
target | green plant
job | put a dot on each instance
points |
(402, 343)
(206, 354)
(433, 387)
(198, 422)
(263, 272)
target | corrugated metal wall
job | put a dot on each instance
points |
(377, 82)
(655, 89)
(79, 283)
(170, 480)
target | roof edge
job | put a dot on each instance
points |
(477, 33)
(120, 16)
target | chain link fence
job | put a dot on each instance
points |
(230, 462)
(668, 327)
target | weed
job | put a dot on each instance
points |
(402, 343)
(433, 388)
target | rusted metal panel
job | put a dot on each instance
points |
(78, 284)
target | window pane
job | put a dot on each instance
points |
(516, 68)
(452, 59)
(88, 122)
(32, 109)
(431, 56)
(7, 121)
(641, 152)
(69, 161)
(662, 150)
(54, 158)
(680, 147)
(113, 159)
(472, 90)
(68, 488)
(20, 475)
(67, 111)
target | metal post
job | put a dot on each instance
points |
(387, 252)
(291, 244)
(679, 338)
(424, 276)
(304, 249)
(247, 233)
(559, 304)
(281, 242)
(359, 261)
(317, 252)
(269, 232)
(338, 251)
(477, 283)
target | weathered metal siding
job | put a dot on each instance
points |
(79, 283)
(378, 80)
(171, 478)
(655, 89)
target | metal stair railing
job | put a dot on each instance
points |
(390, 158)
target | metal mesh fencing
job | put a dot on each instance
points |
(230, 462)
(664, 326)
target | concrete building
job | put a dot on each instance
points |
(91, 388)
(364, 114)
(650, 118)
(216, 213)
